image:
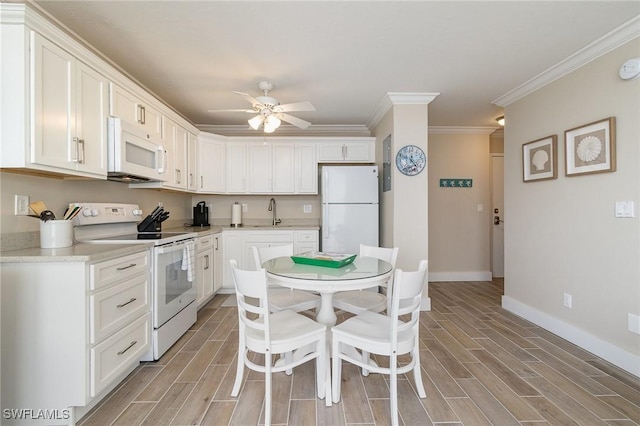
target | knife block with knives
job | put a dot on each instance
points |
(152, 223)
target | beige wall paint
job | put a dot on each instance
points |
(58, 193)
(459, 235)
(410, 198)
(562, 236)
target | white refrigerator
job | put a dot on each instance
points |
(349, 208)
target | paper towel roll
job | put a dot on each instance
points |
(236, 214)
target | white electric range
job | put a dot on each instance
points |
(173, 289)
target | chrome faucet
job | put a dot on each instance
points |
(272, 208)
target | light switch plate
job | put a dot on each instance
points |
(625, 209)
(307, 208)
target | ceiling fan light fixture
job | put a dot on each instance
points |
(255, 122)
(271, 124)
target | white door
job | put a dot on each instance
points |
(497, 233)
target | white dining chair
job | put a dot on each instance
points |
(284, 298)
(385, 335)
(275, 333)
(359, 301)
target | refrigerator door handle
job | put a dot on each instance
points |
(325, 227)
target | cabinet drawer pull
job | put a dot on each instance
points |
(126, 267)
(128, 347)
(122, 305)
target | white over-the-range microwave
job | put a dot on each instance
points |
(133, 156)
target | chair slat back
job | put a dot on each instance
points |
(262, 254)
(387, 254)
(406, 296)
(252, 284)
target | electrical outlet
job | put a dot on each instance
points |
(245, 208)
(21, 205)
(568, 300)
(306, 208)
(160, 204)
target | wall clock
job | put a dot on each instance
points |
(410, 160)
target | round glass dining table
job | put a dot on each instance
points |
(364, 272)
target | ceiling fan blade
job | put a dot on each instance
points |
(293, 120)
(253, 101)
(297, 106)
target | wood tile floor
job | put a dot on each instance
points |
(481, 366)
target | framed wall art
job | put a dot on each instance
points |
(591, 148)
(540, 159)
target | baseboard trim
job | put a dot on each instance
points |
(615, 355)
(460, 276)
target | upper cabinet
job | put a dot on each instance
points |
(271, 167)
(211, 159)
(354, 150)
(175, 143)
(131, 108)
(69, 107)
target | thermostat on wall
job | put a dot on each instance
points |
(630, 69)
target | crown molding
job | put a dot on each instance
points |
(287, 130)
(460, 130)
(398, 98)
(610, 41)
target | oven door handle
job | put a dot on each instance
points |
(170, 248)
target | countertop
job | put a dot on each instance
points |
(79, 252)
(214, 229)
(82, 252)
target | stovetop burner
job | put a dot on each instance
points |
(113, 223)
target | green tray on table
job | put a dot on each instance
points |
(318, 258)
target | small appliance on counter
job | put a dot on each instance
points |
(236, 215)
(201, 214)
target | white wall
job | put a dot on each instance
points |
(459, 235)
(562, 236)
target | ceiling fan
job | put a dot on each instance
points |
(269, 113)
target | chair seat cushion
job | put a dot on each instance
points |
(295, 300)
(286, 327)
(372, 331)
(358, 302)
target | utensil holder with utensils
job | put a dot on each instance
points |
(56, 234)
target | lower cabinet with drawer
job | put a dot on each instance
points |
(71, 331)
(237, 245)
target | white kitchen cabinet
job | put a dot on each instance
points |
(72, 330)
(211, 169)
(232, 249)
(236, 176)
(68, 109)
(217, 261)
(265, 238)
(306, 169)
(237, 245)
(192, 162)
(204, 269)
(131, 108)
(305, 240)
(175, 144)
(271, 168)
(355, 150)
